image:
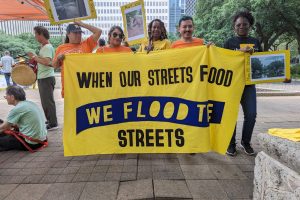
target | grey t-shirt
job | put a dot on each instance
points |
(7, 62)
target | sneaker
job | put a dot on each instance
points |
(50, 128)
(247, 149)
(231, 151)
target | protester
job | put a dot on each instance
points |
(74, 44)
(115, 38)
(28, 118)
(186, 30)
(45, 75)
(7, 62)
(157, 37)
(242, 22)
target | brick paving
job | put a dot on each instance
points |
(49, 175)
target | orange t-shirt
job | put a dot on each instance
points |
(182, 44)
(85, 46)
(108, 49)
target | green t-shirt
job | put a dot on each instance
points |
(44, 71)
(29, 119)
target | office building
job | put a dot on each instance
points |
(109, 14)
(15, 27)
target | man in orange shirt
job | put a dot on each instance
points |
(186, 29)
(74, 44)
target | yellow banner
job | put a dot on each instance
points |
(172, 101)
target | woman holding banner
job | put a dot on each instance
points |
(157, 37)
(115, 38)
(242, 22)
(74, 44)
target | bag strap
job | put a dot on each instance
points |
(18, 136)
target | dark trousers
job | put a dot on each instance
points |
(248, 103)
(46, 88)
(9, 142)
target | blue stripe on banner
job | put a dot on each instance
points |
(135, 109)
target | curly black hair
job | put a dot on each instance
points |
(246, 14)
(163, 29)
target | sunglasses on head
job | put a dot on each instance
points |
(115, 35)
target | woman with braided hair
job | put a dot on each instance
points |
(157, 37)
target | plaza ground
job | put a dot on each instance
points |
(47, 174)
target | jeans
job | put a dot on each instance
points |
(7, 78)
(248, 103)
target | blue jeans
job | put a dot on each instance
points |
(248, 103)
(7, 78)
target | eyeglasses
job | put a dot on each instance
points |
(242, 24)
(115, 35)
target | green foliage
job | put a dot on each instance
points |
(23, 43)
(257, 68)
(295, 71)
(56, 41)
(274, 18)
(30, 40)
(275, 69)
(16, 45)
(172, 37)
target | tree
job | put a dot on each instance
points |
(256, 68)
(213, 19)
(15, 45)
(274, 18)
(56, 41)
(30, 40)
(172, 37)
(276, 68)
(23, 43)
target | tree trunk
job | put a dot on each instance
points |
(298, 41)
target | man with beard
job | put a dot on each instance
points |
(186, 29)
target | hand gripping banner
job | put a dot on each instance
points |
(172, 101)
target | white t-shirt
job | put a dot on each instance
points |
(7, 62)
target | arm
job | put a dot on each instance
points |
(58, 61)
(96, 31)
(247, 49)
(42, 60)
(5, 126)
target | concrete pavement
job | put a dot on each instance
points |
(279, 89)
(49, 175)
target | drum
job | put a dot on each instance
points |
(22, 74)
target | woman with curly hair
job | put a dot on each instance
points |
(242, 23)
(157, 37)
